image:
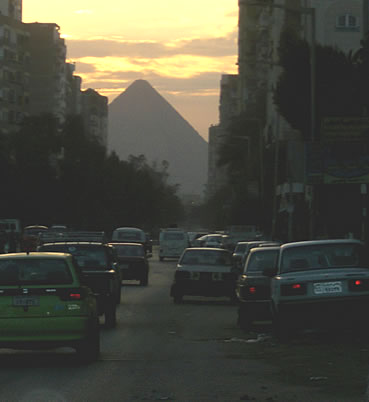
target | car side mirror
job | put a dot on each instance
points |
(270, 272)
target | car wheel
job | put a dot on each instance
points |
(88, 349)
(161, 258)
(244, 320)
(177, 298)
(111, 316)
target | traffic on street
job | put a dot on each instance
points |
(192, 349)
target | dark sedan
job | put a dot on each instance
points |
(253, 287)
(133, 262)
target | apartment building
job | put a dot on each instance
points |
(14, 72)
(48, 84)
(12, 9)
(228, 109)
(95, 115)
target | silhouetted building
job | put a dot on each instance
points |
(12, 9)
(48, 70)
(14, 71)
(95, 115)
(228, 110)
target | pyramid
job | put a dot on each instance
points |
(141, 121)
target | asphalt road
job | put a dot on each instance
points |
(158, 351)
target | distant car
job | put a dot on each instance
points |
(45, 304)
(320, 284)
(253, 287)
(132, 235)
(204, 272)
(211, 240)
(194, 236)
(132, 261)
(30, 237)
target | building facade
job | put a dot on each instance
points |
(228, 109)
(14, 73)
(12, 9)
(340, 24)
(95, 115)
(48, 70)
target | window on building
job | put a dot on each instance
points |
(347, 22)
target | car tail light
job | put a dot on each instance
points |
(73, 294)
(252, 290)
(359, 285)
(293, 289)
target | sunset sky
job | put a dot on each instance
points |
(180, 46)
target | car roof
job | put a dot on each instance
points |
(36, 227)
(75, 243)
(264, 249)
(208, 249)
(320, 242)
(129, 229)
(126, 244)
(33, 255)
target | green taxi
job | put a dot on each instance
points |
(44, 304)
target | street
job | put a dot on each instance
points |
(162, 351)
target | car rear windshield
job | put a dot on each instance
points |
(206, 257)
(43, 271)
(173, 236)
(87, 257)
(324, 256)
(259, 261)
(130, 251)
(133, 236)
(240, 248)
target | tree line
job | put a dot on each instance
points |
(52, 174)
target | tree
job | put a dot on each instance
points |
(337, 86)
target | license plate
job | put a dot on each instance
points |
(26, 301)
(124, 266)
(327, 288)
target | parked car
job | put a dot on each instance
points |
(45, 303)
(132, 261)
(253, 287)
(252, 244)
(97, 261)
(320, 284)
(204, 272)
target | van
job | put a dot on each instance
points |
(172, 243)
